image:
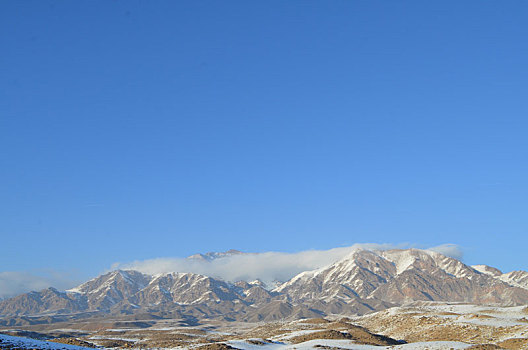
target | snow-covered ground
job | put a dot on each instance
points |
(425, 324)
(429, 321)
(7, 341)
(346, 344)
(472, 314)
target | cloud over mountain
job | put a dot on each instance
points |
(266, 266)
(450, 250)
(16, 282)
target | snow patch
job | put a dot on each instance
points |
(28, 343)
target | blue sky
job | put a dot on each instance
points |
(135, 130)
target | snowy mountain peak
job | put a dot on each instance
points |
(210, 256)
(488, 270)
(401, 275)
(257, 282)
(516, 278)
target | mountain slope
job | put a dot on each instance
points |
(362, 282)
(183, 288)
(103, 292)
(400, 276)
(47, 301)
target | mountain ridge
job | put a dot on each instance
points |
(364, 281)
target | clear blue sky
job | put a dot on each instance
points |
(141, 129)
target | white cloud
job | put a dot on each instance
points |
(451, 250)
(268, 266)
(17, 282)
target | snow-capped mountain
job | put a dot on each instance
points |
(400, 276)
(362, 282)
(215, 255)
(514, 278)
(488, 270)
(183, 288)
(103, 292)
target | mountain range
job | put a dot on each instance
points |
(364, 281)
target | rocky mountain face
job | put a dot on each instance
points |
(46, 302)
(362, 282)
(110, 289)
(516, 278)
